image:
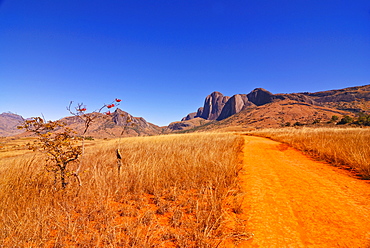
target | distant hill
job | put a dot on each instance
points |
(260, 108)
(114, 125)
(353, 99)
(185, 124)
(9, 123)
(103, 126)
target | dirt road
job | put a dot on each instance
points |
(294, 201)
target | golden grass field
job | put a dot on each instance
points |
(339, 146)
(10, 147)
(171, 192)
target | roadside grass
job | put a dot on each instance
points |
(339, 146)
(170, 192)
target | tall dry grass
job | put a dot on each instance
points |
(339, 146)
(170, 193)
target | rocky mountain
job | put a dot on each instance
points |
(118, 124)
(234, 105)
(261, 108)
(9, 123)
(213, 106)
(276, 114)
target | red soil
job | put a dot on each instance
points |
(293, 201)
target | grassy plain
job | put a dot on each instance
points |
(171, 192)
(339, 146)
(11, 147)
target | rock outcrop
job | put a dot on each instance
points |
(213, 106)
(260, 96)
(218, 107)
(234, 105)
(189, 116)
(199, 112)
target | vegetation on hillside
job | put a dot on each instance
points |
(361, 119)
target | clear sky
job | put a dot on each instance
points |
(163, 57)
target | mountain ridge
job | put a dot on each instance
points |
(256, 109)
(118, 124)
(347, 101)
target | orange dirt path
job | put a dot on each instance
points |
(294, 201)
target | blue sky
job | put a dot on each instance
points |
(162, 57)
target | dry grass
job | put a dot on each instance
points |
(11, 147)
(170, 193)
(339, 146)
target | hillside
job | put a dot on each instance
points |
(354, 99)
(103, 126)
(260, 108)
(185, 124)
(9, 123)
(276, 114)
(114, 125)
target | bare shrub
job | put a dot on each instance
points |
(58, 142)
